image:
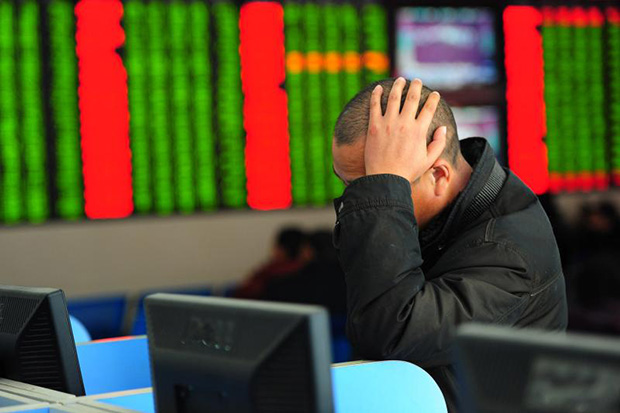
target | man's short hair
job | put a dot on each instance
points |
(352, 124)
(291, 240)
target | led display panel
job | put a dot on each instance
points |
(448, 48)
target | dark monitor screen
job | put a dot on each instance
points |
(36, 340)
(225, 355)
(448, 48)
(531, 371)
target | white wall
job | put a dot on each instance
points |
(132, 255)
(137, 254)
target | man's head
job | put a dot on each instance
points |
(438, 186)
(290, 244)
(352, 123)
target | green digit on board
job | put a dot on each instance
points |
(65, 116)
(10, 154)
(229, 109)
(159, 98)
(314, 115)
(180, 86)
(32, 122)
(137, 64)
(295, 86)
(202, 106)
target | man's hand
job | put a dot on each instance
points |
(396, 142)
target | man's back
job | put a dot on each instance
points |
(514, 234)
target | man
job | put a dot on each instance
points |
(432, 234)
(290, 253)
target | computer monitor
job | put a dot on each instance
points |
(448, 48)
(227, 355)
(531, 371)
(36, 341)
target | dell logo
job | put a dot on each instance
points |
(209, 334)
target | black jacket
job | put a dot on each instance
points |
(491, 257)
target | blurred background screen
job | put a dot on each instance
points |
(454, 50)
(481, 121)
(113, 108)
(118, 108)
(448, 48)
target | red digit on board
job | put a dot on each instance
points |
(104, 113)
(265, 105)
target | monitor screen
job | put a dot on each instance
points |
(447, 48)
(509, 370)
(36, 340)
(480, 121)
(228, 355)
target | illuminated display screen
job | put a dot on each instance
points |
(333, 49)
(113, 108)
(568, 73)
(572, 61)
(23, 147)
(202, 106)
(612, 52)
(12, 191)
(229, 105)
(580, 133)
(120, 107)
(36, 205)
(446, 47)
(316, 140)
(104, 117)
(186, 135)
(64, 110)
(265, 112)
(482, 121)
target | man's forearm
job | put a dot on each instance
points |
(377, 238)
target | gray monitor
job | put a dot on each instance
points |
(227, 355)
(531, 371)
(36, 340)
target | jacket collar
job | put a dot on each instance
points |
(485, 183)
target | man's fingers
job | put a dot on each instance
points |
(428, 111)
(393, 106)
(436, 147)
(413, 99)
(375, 108)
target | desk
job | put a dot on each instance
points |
(110, 366)
(140, 400)
(387, 386)
(27, 408)
(114, 365)
(10, 401)
(23, 397)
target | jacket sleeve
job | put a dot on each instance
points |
(393, 311)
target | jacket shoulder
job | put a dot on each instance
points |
(528, 231)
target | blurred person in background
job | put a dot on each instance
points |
(595, 271)
(598, 228)
(290, 253)
(432, 232)
(319, 282)
(564, 233)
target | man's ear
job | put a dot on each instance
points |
(441, 174)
